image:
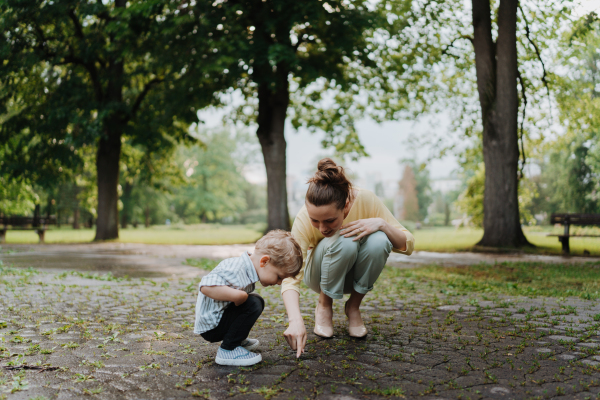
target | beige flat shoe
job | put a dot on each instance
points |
(323, 331)
(356, 331)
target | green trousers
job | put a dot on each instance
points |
(338, 264)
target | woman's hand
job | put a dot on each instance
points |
(295, 335)
(362, 227)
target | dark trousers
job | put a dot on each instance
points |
(236, 323)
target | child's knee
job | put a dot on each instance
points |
(255, 303)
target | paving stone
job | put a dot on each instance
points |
(544, 350)
(563, 338)
(566, 356)
(590, 362)
(421, 345)
(499, 390)
(591, 345)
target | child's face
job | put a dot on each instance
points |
(268, 274)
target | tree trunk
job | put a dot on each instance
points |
(272, 110)
(446, 214)
(109, 149)
(147, 217)
(126, 199)
(107, 160)
(496, 66)
(36, 216)
(76, 217)
(107, 164)
(124, 219)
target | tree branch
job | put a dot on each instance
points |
(141, 96)
(539, 56)
(89, 66)
(76, 24)
(445, 51)
(521, 173)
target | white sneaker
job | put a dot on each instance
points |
(250, 344)
(237, 357)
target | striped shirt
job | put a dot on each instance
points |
(238, 273)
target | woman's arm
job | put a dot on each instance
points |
(395, 235)
(295, 334)
(364, 227)
(225, 293)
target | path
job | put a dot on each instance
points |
(70, 335)
(143, 260)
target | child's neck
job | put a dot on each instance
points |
(255, 258)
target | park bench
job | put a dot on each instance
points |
(38, 224)
(567, 220)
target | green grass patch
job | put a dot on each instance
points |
(440, 239)
(202, 263)
(208, 234)
(512, 278)
(449, 239)
(446, 239)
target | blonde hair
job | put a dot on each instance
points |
(283, 249)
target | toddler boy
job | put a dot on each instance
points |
(227, 309)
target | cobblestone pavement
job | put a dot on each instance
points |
(78, 335)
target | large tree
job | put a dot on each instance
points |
(288, 46)
(497, 73)
(87, 73)
(482, 65)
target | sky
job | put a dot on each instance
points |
(386, 143)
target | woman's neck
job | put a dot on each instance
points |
(351, 202)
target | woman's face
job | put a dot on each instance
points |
(327, 219)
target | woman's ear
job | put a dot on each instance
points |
(347, 208)
(264, 260)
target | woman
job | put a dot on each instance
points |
(346, 235)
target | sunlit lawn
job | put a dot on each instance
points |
(511, 278)
(450, 239)
(194, 234)
(439, 239)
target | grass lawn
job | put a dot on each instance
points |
(449, 239)
(530, 279)
(192, 234)
(440, 239)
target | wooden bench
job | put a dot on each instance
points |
(567, 220)
(37, 224)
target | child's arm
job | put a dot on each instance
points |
(225, 293)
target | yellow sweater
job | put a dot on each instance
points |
(366, 205)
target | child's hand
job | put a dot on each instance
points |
(240, 298)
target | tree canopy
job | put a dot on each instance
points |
(95, 73)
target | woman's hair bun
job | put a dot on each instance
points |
(329, 172)
(329, 185)
(327, 163)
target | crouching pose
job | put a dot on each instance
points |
(227, 309)
(346, 235)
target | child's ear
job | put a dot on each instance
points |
(264, 260)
